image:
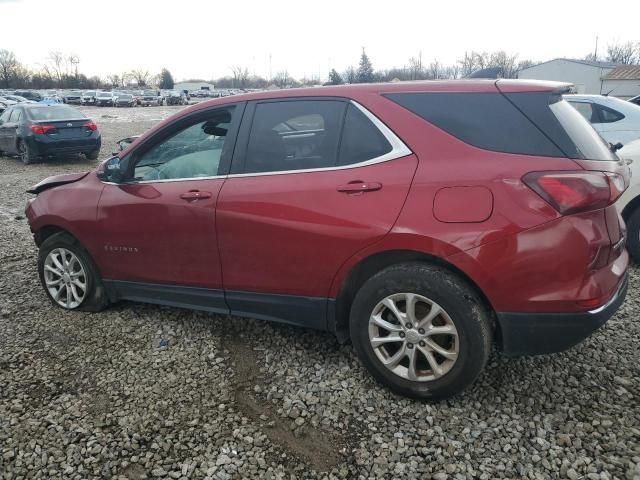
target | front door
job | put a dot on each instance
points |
(308, 194)
(159, 226)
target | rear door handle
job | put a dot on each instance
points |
(358, 186)
(195, 195)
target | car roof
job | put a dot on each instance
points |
(397, 87)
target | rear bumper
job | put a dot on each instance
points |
(63, 147)
(540, 333)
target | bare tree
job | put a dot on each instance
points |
(435, 70)
(505, 62)
(626, 53)
(9, 67)
(240, 76)
(55, 66)
(416, 70)
(113, 80)
(141, 77)
(282, 79)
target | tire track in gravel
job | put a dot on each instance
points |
(320, 449)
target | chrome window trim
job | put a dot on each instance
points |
(398, 150)
(165, 180)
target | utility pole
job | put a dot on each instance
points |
(595, 53)
(270, 72)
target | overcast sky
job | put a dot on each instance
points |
(203, 39)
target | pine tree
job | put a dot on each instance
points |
(335, 78)
(166, 80)
(365, 69)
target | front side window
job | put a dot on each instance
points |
(5, 115)
(294, 135)
(193, 152)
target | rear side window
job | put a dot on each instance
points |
(608, 115)
(294, 135)
(16, 115)
(361, 139)
(485, 120)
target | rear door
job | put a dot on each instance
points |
(313, 182)
(9, 131)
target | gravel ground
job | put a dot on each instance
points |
(142, 391)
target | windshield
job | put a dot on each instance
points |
(150, 92)
(125, 96)
(89, 93)
(54, 112)
(104, 94)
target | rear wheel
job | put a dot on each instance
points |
(69, 276)
(420, 330)
(633, 235)
(93, 155)
(25, 153)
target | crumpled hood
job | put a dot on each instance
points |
(56, 181)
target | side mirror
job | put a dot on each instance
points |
(616, 147)
(111, 170)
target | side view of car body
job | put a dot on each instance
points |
(618, 121)
(424, 221)
(38, 131)
(629, 202)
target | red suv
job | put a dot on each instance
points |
(424, 221)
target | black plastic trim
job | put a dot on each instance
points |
(540, 333)
(310, 312)
(206, 299)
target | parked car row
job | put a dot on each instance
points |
(37, 131)
(345, 209)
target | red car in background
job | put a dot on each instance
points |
(424, 221)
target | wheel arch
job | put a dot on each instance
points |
(46, 231)
(338, 317)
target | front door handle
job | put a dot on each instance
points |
(358, 186)
(195, 195)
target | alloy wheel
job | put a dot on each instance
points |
(65, 278)
(413, 337)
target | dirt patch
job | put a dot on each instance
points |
(320, 449)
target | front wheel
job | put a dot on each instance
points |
(420, 330)
(633, 235)
(68, 274)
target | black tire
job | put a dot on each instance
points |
(25, 153)
(463, 307)
(95, 298)
(633, 235)
(93, 155)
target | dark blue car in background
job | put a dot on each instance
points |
(39, 131)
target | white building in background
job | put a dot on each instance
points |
(623, 81)
(588, 77)
(191, 86)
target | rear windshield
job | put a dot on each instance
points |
(530, 123)
(54, 112)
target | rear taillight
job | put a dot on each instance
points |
(572, 192)
(42, 129)
(91, 125)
